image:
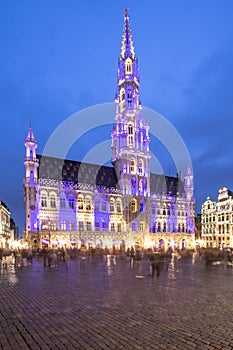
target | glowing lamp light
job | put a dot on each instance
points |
(63, 241)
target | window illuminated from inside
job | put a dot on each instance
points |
(132, 166)
(43, 201)
(63, 225)
(52, 202)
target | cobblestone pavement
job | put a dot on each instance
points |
(106, 307)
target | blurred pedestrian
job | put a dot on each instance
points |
(114, 255)
(132, 256)
(155, 260)
(138, 262)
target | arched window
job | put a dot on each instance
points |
(111, 206)
(122, 95)
(71, 202)
(31, 176)
(130, 135)
(153, 228)
(140, 167)
(129, 98)
(53, 225)
(130, 129)
(118, 205)
(52, 201)
(159, 227)
(141, 207)
(133, 206)
(63, 225)
(43, 200)
(128, 66)
(132, 166)
(88, 203)
(133, 185)
(80, 202)
(141, 186)
(62, 202)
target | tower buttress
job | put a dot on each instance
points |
(31, 182)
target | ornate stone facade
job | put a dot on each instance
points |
(217, 220)
(5, 234)
(69, 202)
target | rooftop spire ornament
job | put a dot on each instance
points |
(127, 48)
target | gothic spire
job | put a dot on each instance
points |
(30, 137)
(127, 48)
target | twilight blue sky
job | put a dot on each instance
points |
(58, 57)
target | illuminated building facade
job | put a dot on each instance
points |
(5, 233)
(217, 220)
(69, 202)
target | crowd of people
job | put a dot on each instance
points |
(156, 260)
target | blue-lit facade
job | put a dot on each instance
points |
(69, 202)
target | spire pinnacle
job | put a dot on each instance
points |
(127, 47)
(30, 137)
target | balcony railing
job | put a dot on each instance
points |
(29, 180)
(30, 159)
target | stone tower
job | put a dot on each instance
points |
(130, 136)
(31, 182)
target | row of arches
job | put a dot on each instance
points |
(97, 225)
(133, 167)
(52, 201)
(167, 211)
(84, 202)
(168, 227)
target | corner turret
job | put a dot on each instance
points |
(31, 182)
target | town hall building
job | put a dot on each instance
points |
(72, 203)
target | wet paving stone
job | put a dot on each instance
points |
(187, 307)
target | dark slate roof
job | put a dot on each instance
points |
(81, 172)
(73, 171)
(166, 184)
